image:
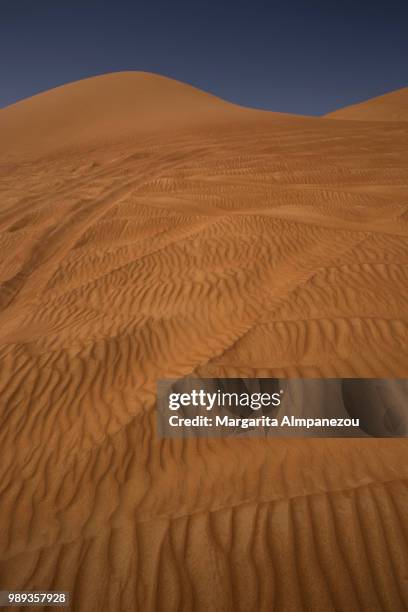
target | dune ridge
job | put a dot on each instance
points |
(391, 106)
(193, 237)
(108, 108)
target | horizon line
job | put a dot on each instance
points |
(169, 77)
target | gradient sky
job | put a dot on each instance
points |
(306, 57)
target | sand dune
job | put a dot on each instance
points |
(389, 107)
(149, 230)
(105, 109)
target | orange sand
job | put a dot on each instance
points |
(150, 230)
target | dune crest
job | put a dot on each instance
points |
(391, 106)
(108, 108)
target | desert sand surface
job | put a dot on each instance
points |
(149, 230)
